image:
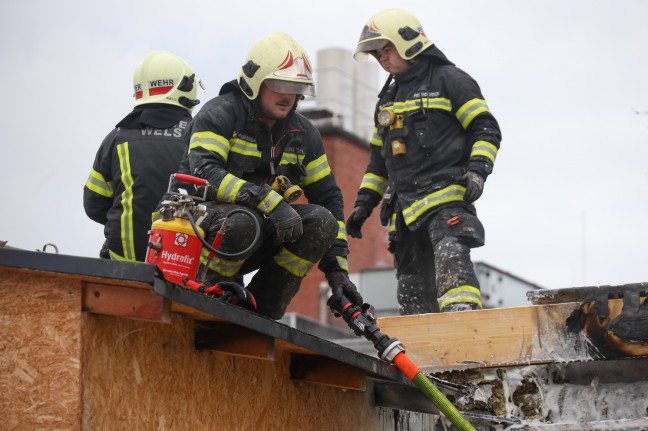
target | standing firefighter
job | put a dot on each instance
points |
(244, 141)
(434, 145)
(132, 167)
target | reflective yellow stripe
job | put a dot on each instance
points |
(291, 158)
(229, 188)
(484, 149)
(115, 256)
(391, 224)
(244, 147)
(375, 139)
(126, 202)
(470, 110)
(210, 141)
(451, 193)
(269, 203)
(316, 170)
(226, 268)
(465, 293)
(374, 182)
(342, 263)
(292, 263)
(97, 183)
(425, 102)
(341, 231)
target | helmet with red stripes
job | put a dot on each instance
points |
(396, 26)
(163, 77)
(281, 63)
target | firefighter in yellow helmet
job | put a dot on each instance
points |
(435, 142)
(133, 164)
(240, 141)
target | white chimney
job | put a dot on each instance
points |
(347, 89)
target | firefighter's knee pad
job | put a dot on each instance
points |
(238, 228)
(459, 223)
(319, 224)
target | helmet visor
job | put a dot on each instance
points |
(367, 47)
(290, 87)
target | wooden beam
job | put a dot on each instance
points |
(131, 302)
(325, 371)
(178, 307)
(492, 337)
(233, 340)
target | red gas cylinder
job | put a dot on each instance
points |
(175, 249)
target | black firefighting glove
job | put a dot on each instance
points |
(474, 186)
(356, 220)
(341, 285)
(287, 223)
(104, 253)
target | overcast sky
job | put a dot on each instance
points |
(566, 205)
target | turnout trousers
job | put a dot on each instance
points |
(433, 265)
(280, 267)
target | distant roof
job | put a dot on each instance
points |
(508, 274)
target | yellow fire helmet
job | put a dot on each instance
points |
(279, 61)
(163, 77)
(396, 26)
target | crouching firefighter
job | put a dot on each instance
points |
(435, 143)
(245, 141)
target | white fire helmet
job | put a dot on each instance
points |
(281, 63)
(163, 77)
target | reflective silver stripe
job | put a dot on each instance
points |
(341, 231)
(226, 268)
(451, 193)
(391, 223)
(210, 141)
(425, 102)
(115, 256)
(269, 203)
(244, 147)
(291, 158)
(99, 185)
(484, 149)
(470, 110)
(374, 182)
(292, 263)
(316, 170)
(126, 200)
(375, 139)
(342, 263)
(229, 188)
(465, 293)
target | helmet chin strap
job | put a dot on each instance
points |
(386, 86)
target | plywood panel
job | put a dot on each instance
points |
(40, 351)
(152, 377)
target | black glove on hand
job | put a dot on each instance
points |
(341, 285)
(356, 220)
(474, 186)
(287, 223)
